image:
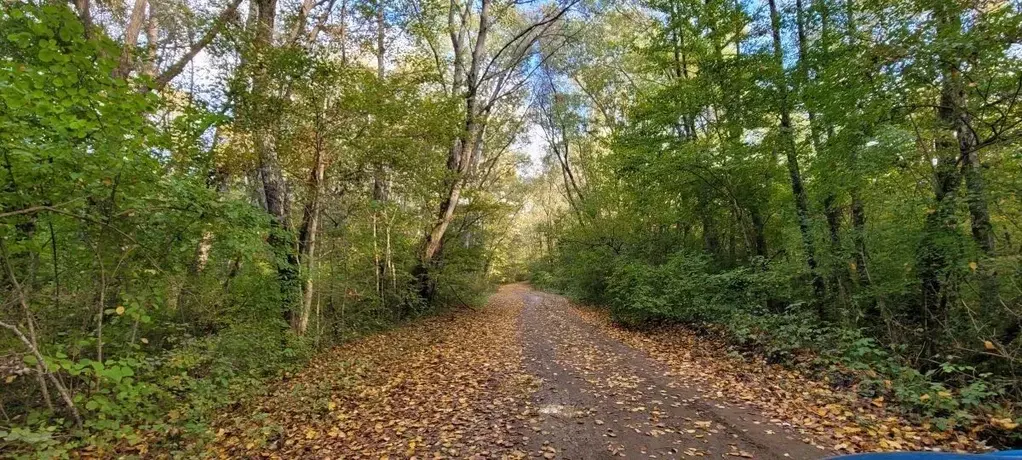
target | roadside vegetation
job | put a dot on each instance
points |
(196, 197)
(832, 184)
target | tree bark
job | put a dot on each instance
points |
(131, 32)
(953, 139)
(839, 271)
(309, 257)
(380, 179)
(982, 229)
(152, 34)
(688, 128)
(790, 150)
(84, 8)
(281, 240)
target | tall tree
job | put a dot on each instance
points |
(480, 79)
(788, 145)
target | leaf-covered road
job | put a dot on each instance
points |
(531, 376)
(600, 398)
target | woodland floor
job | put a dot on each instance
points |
(531, 375)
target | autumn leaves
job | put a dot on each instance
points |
(531, 376)
(448, 386)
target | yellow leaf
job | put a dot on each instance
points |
(924, 397)
(10, 378)
(944, 394)
(120, 310)
(1004, 423)
(973, 266)
(989, 345)
(310, 434)
(145, 340)
(331, 405)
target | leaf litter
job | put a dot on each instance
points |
(835, 419)
(448, 386)
(464, 385)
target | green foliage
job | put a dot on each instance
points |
(137, 250)
(686, 290)
(895, 272)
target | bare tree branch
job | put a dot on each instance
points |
(218, 24)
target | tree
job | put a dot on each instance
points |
(482, 81)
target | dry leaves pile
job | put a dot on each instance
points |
(441, 387)
(839, 420)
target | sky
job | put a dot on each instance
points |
(533, 144)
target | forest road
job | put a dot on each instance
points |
(529, 376)
(599, 398)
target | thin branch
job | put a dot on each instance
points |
(175, 69)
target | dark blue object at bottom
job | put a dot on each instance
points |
(1003, 455)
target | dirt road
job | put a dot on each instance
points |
(599, 398)
(527, 376)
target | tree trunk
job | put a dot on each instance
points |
(84, 8)
(131, 32)
(816, 130)
(281, 239)
(982, 229)
(688, 127)
(152, 35)
(841, 277)
(711, 239)
(953, 138)
(462, 152)
(307, 236)
(790, 150)
(380, 185)
(858, 212)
